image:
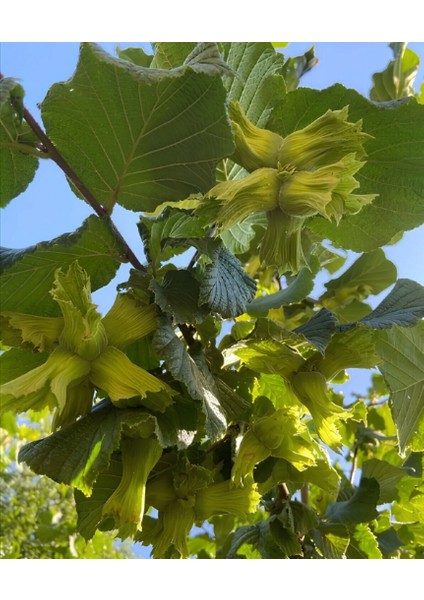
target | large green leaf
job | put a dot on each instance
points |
(394, 167)
(169, 55)
(387, 476)
(179, 296)
(370, 274)
(260, 85)
(18, 159)
(402, 351)
(138, 136)
(319, 329)
(298, 289)
(199, 383)
(332, 540)
(404, 306)
(363, 543)
(226, 287)
(78, 453)
(27, 275)
(360, 508)
(17, 361)
(268, 356)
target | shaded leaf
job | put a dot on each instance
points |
(387, 476)
(28, 275)
(388, 541)
(360, 508)
(319, 330)
(404, 306)
(286, 540)
(78, 453)
(332, 540)
(402, 352)
(121, 127)
(200, 385)
(226, 287)
(179, 296)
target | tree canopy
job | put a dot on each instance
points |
(205, 396)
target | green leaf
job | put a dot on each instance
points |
(387, 476)
(199, 383)
(169, 55)
(259, 86)
(396, 81)
(135, 55)
(394, 166)
(319, 330)
(354, 349)
(389, 541)
(28, 275)
(18, 160)
(364, 543)
(332, 540)
(138, 136)
(268, 356)
(300, 287)
(234, 405)
(17, 361)
(360, 508)
(402, 352)
(248, 534)
(286, 540)
(239, 237)
(89, 509)
(226, 287)
(179, 296)
(295, 68)
(370, 274)
(404, 306)
(78, 453)
(206, 57)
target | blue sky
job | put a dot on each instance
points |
(48, 208)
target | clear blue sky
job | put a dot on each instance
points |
(48, 208)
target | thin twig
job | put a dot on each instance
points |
(304, 494)
(100, 210)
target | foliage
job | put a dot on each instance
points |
(38, 518)
(206, 392)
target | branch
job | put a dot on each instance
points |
(100, 210)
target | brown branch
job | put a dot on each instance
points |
(304, 494)
(100, 210)
(187, 332)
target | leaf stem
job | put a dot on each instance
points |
(354, 465)
(26, 149)
(100, 210)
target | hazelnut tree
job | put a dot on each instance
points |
(204, 396)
